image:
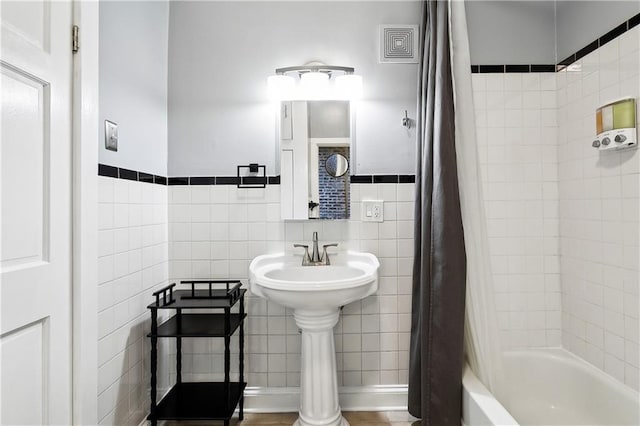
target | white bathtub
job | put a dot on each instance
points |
(550, 387)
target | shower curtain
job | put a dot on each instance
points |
(482, 339)
(451, 261)
(439, 269)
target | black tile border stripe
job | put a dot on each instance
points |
(202, 180)
(601, 41)
(361, 178)
(178, 181)
(586, 50)
(145, 177)
(517, 68)
(543, 68)
(366, 179)
(483, 69)
(614, 33)
(227, 180)
(508, 69)
(108, 171)
(385, 179)
(274, 180)
(120, 173)
(128, 174)
(512, 68)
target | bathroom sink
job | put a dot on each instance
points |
(315, 293)
(351, 276)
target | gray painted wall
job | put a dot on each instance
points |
(220, 54)
(581, 22)
(133, 83)
(511, 32)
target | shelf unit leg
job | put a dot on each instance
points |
(179, 360)
(241, 366)
(179, 348)
(227, 352)
(154, 364)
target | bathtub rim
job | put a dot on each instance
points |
(476, 396)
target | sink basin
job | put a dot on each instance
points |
(315, 293)
(281, 278)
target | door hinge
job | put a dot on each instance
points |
(75, 39)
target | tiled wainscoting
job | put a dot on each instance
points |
(599, 213)
(516, 130)
(215, 231)
(133, 262)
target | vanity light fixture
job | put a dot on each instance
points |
(314, 81)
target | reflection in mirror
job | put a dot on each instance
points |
(333, 188)
(336, 165)
(315, 154)
(329, 119)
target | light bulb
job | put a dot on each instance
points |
(349, 86)
(280, 87)
(314, 85)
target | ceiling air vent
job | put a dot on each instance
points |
(399, 44)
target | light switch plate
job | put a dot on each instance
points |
(110, 135)
(373, 211)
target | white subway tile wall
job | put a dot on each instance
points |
(599, 213)
(132, 263)
(516, 130)
(215, 232)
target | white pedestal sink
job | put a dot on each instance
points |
(316, 294)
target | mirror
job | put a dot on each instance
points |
(315, 151)
(336, 165)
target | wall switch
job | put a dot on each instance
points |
(373, 211)
(110, 135)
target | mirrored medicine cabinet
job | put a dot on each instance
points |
(315, 149)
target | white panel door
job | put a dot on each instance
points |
(35, 212)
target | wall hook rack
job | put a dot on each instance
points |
(406, 121)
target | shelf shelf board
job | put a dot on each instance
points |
(198, 325)
(199, 401)
(184, 300)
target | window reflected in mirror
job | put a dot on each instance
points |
(333, 182)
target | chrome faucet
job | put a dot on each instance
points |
(315, 256)
(315, 259)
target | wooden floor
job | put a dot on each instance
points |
(355, 418)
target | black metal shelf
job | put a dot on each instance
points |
(200, 401)
(198, 325)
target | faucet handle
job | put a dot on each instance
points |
(305, 258)
(325, 255)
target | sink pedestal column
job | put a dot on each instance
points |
(319, 404)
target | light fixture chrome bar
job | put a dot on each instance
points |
(314, 68)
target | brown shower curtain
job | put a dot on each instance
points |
(439, 268)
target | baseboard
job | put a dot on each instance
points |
(352, 398)
(356, 398)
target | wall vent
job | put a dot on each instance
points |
(399, 44)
